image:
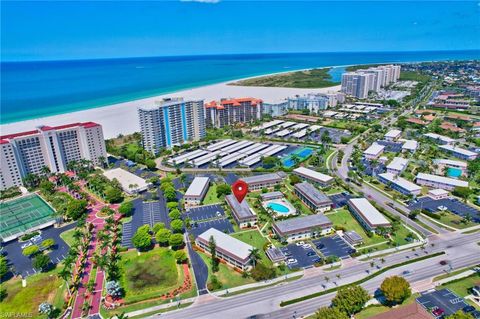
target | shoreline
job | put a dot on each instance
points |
(121, 118)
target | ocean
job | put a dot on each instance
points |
(37, 89)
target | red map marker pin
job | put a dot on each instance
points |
(240, 190)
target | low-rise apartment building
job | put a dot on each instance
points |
(459, 152)
(312, 197)
(234, 252)
(435, 181)
(399, 184)
(374, 151)
(241, 212)
(397, 165)
(313, 176)
(257, 182)
(304, 227)
(367, 215)
(196, 192)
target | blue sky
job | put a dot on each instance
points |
(83, 30)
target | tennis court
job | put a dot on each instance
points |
(21, 215)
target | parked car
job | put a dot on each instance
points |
(300, 243)
(320, 246)
(438, 312)
(27, 244)
(291, 261)
(317, 260)
(306, 246)
(468, 309)
(311, 253)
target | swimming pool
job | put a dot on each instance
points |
(279, 208)
(454, 172)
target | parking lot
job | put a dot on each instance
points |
(335, 134)
(394, 147)
(221, 224)
(444, 300)
(304, 256)
(339, 200)
(205, 212)
(333, 246)
(22, 264)
(453, 205)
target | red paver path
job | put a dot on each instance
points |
(96, 297)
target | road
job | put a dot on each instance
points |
(267, 301)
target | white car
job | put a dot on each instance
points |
(27, 244)
(306, 246)
(300, 243)
(291, 261)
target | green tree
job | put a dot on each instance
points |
(151, 165)
(295, 179)
(395, 289)
(176, 240)
(157, 227)
(162, 236)
(223, 189)
(174, 214)
(463, 192)
(212, 246)
(172, 205)
(177, 225)
(351, 300)
(30, 250)
(460, 315)
(47, 243)
(76, 208)
(170, 193)
(126, 208)
(142, 239)
(47, 187)
(3, 266)
(330, 313)
(181, 256)
(113, 194)
(42, 262)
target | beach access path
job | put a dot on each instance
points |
(122, 118)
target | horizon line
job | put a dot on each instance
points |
(230, 54)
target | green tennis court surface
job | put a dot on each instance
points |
(20, 215)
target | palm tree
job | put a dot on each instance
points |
(65, 274)
(327, 279)
(254, 255)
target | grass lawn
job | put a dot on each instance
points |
(40, 287)
(461, 286)
(211, 196)
(342, 217)
(453, 220)
(67, 236)
(226, 275)
(149, 275)
(334, 190)
(254, 238)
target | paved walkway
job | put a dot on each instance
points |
(95, 205)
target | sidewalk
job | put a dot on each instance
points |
(159, 307)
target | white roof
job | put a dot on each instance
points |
(393, 133)
(374, 149)
(126, 179)
(447, 162)
(440, 137)
(442, 179)
(410, 145)
(398, 164)
(370, 213)
(437, 191)
(227, 243)
(197, 186)
(457, 150)
(402, 182)
(313, 174)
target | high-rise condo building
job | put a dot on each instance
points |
(233, 111)
(53, 147)
(360, 82)
(171, 122)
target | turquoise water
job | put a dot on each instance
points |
(454, 172)
(303, 153)
(279, 208)
(37, 89)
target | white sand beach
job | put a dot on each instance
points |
(122, 118)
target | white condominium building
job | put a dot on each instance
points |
(53, 147)
(360, 82)
(171, 122)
